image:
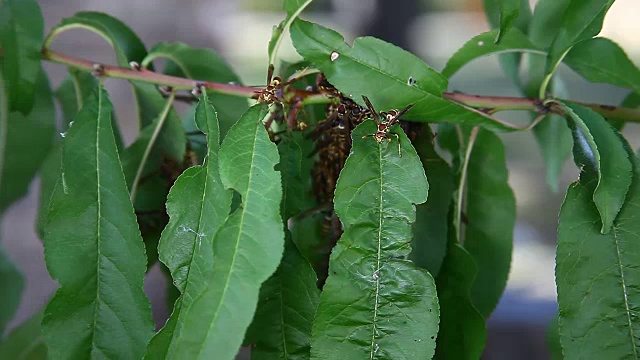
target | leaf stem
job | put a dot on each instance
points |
(489, 104)
(152, 140)
(457, 221)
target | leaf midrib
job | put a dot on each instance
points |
(378, 255)
(624, 292)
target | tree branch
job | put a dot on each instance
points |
(489, 104)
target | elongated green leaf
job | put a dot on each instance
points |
(25, 142)
(597, 275)
(21, 32)
(93, 248)
(127, 46)
(431, 227)
(581, 20)
(502, 15)
(601, 60)
(73, 91)
(554, 138)
(206, 65)
(597, 147)
(490, 210)
(389, 76)
(482, 45)
(25, 342)
(197, 205)
(293, 8)
(12, 285)
(281, 328)
(375, 303)
(247, 248)
(462, 329)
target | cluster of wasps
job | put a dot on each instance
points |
(331, 137)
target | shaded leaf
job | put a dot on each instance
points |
(12, 286)
(490, 210)
(25, 342)
(462, 329)
(597, 275)
(599, 149)
(581, 20)
(398, 77)
(601, 60)
(206, 65)
(197, 205)
(25, 142)
(21, 33)
(631, 101)
(431, 227)
(553, 339)
(502, 15)
(247, 248)
(481, 45)
(375, 303)
(93, 248)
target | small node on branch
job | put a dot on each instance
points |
(197, 89)
(98, 70)
(135, 66)
(542, 106)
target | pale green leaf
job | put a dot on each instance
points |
(93, 248)
(375, 303)
(247, 248)
(482, 45)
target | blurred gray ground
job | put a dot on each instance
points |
(240, 30)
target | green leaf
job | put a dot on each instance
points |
(127, 46)
(281, 328)
(599, 149)
(247, 248)
(582, 20)
(490, 210)
(431, 227)
(631, 101)
(552, 339)
(197, 205)
(21, 32)
(205, 65)
(25, 142)
(25, 342)
(12, 285)
(482, 45)
(588, 59)
(462, 329)
(375, 303)
(93, 248)
(398, 77)
(597, 275)
(293, 8)
(505, 12)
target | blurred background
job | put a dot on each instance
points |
(433, 29)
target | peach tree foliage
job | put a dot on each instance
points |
(405, 258)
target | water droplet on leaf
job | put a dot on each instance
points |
(334, 55)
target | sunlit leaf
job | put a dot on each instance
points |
(25, 342)
(390, 76)
(597, 274)
(482, 45)
(601, 60)
(197, 205)
(598, 148)
(21, 33)
(375, 303)
(93, 248)
(247, 248)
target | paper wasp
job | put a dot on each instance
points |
(384, 123)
